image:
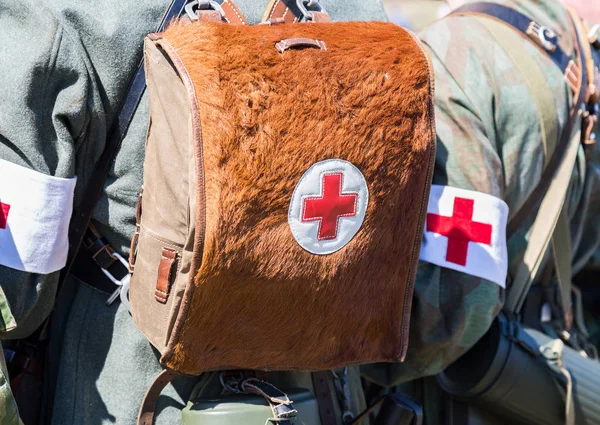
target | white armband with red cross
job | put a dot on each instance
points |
(466, 231)
(35, 210)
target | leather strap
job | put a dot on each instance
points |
(83, 214)
(323, 394)
(288, 11)
(147, 410)
(233, 14)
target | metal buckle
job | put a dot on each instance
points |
(308, 7)
(342, 386)
(542, 34)
(123, 285)
(191, 8)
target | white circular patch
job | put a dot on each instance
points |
(328, 206)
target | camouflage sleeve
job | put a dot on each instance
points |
(9, 413)
(488, 140)
(48, 100)
(451, 310)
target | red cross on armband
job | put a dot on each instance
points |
(328, 206)
(460, 230)
(466, 231)
(4, 209)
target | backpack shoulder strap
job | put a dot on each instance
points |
(513, 45)
(575, 74)
(542, 36)
(83, 214)
(551, 223)
(292, 11)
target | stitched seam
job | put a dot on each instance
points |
(273, 10)
(424, 202)
(319, 218)
(177, 248)
(236, 12)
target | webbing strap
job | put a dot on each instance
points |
(513, 45)
(575, 75)
(535, 79)
(542, 230)
(556, 177)
(562, 256)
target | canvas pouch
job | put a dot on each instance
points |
(286, 179)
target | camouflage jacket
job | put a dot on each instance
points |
(488, 140)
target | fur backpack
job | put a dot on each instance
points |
(286, 180)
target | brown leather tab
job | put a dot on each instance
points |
(163, 281)
(323, 394)
(288, 43)
(320, 17)
(573, 76)
(289, 12)
(278, 10)
(146, 413)
(209, 15)
(233, 15)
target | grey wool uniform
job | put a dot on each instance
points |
(64, 69)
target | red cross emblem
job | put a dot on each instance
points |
(460, 230)
(4, 208)
(330, 207)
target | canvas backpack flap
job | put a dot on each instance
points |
(330, 137)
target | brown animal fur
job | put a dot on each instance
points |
(259, 299)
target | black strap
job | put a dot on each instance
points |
(392, 408)
(518, 21)
(82, 216)
(522, 23)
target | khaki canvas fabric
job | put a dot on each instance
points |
(218, 186)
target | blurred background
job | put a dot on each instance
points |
(416, 14)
